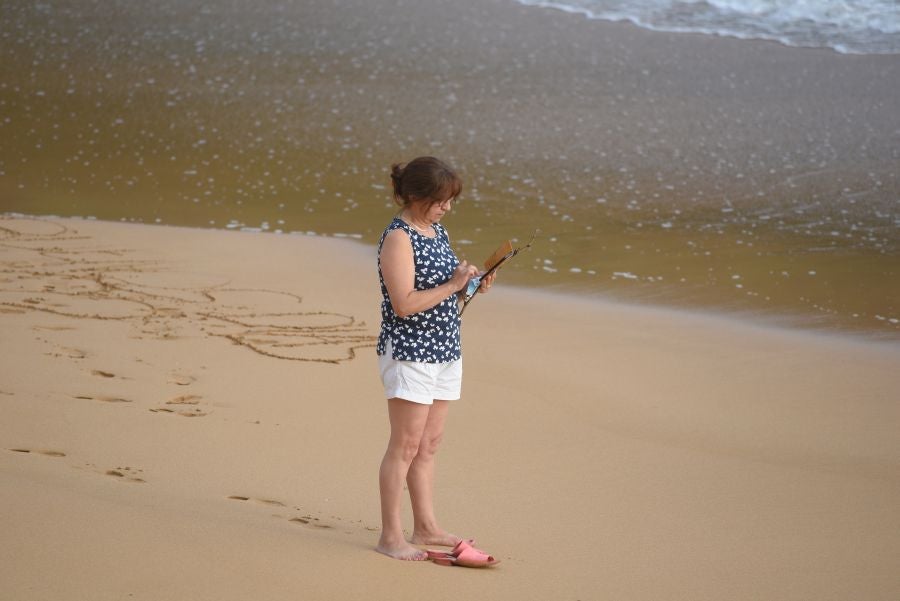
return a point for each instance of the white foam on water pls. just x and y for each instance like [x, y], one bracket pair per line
[846, 26]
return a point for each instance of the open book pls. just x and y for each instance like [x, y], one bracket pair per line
[504, 253]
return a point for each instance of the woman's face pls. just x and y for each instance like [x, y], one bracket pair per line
[436, 210]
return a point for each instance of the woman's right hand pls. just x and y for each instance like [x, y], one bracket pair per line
[462, 274]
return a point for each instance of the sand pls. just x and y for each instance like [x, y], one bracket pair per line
[196, 414]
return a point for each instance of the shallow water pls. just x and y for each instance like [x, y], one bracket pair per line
[684, 171]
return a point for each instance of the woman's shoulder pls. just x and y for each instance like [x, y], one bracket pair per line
[396, 224]
[396, 233]
[393, 226]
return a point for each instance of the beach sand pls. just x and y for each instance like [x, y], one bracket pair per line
[196, 414]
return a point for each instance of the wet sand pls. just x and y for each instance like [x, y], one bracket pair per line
[682, 170]
[196, 414]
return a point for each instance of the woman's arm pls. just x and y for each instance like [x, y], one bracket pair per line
[398, 271]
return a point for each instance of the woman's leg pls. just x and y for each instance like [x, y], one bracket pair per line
[420, 480]
[408, 422]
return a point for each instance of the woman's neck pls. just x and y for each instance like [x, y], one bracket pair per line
[420, 223]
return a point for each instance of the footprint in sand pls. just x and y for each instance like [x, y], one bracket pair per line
[192, 413]
[186, 413]
[52, 328]
[187, 399]
[49, 453]
[181, 379]
[103, 398]
[308, 520]
[74, 353]
[126, 474]
[305, 520]
[63, 351]
[160, 329]
[270, 502]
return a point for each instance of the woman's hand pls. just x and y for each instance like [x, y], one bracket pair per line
[487, 282]
[462, 274]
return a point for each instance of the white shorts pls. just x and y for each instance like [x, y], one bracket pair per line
[420, 382]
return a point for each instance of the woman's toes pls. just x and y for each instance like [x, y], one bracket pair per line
[405, 553]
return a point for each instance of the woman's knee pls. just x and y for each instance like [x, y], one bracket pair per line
[406, 448]
[428, 446]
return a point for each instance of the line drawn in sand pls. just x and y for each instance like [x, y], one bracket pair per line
[49, 267]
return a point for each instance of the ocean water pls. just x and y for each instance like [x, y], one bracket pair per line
[752, 179]
[847, 26]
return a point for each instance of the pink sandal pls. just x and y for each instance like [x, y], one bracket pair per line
[463, 554]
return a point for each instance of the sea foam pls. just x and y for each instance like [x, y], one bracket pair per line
[846, 26]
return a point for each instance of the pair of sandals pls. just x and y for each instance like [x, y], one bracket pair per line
[463, 554]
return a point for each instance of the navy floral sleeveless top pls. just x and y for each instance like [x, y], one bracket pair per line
[431, 336]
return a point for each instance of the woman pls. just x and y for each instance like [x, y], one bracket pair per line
[418, 347]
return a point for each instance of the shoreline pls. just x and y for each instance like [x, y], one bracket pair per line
[797, 324]
[587, 13]
[682, 159]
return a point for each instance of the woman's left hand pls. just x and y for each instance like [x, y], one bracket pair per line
[487, 282]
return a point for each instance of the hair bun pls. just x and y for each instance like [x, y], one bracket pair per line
[397, 178]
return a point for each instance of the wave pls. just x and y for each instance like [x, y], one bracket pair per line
[846, 26]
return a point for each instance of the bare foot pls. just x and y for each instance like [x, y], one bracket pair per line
[403, 551]
[444, 539]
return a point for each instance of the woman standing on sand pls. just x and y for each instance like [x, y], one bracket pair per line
[418, 347]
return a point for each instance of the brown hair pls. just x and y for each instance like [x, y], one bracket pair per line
[424, 178]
